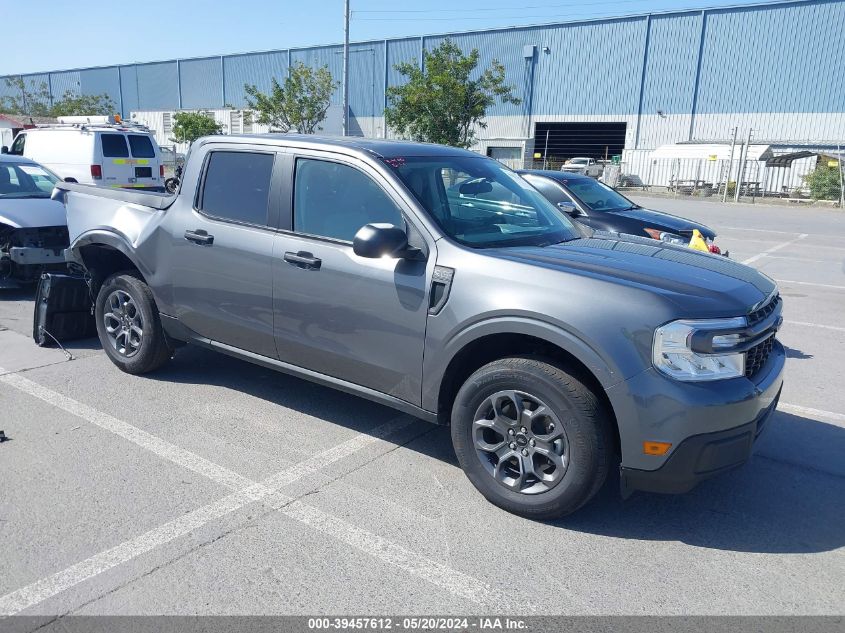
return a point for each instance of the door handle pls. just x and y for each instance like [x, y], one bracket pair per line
[304, 260]
[199, 236]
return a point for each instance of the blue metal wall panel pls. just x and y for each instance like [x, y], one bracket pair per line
[399, 52]
[366, 79]
[101, 81]
[777, 58]
[669, 76]
[202, 83]
[35, 82]
[782, 58]
[507, 48]
[129, 89]
[331, 56]
[62, 83]
[158, 86]
[591, 68]
[254, 69]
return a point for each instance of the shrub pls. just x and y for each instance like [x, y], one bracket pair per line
[824, 183]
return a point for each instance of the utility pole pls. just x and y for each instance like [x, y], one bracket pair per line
[346, 67]
[743, 156]
[730, 166]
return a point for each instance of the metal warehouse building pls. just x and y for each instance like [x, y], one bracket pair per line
[608, 86]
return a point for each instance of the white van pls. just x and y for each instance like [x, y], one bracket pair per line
[95, 150]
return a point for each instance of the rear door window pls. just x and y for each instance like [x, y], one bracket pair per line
[18, 145]
[141, 146]
[236, 186]
[114, 146]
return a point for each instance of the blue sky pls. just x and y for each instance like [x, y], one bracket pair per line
[75, 34]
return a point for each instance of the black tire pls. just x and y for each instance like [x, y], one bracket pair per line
[587, 436]
[152, 350]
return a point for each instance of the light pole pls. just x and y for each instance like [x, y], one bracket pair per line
[346, 67]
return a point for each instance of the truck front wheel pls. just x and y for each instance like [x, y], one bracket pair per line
[532, 438]
[129, 325]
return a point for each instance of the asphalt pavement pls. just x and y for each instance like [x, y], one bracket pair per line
[218, 487]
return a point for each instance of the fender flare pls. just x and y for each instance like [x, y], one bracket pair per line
[105, 237]
[603, 368]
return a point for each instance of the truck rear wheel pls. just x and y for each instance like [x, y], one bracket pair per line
[129, 325]
[533, 439]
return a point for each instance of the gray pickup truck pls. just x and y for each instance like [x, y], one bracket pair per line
[438, 282]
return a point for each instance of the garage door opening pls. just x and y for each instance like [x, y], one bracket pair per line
[558, 142]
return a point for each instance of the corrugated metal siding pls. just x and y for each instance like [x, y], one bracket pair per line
[63, 83]
[399, 52]
[366, 93]
[505, 47]
[591, 68]
[772, 67]
[670, 77]
[99, 81]
[331, 56]
[129, 89]
[254, 69]
[36, 81]
[202, 82]
[158, 86]
[783, 58]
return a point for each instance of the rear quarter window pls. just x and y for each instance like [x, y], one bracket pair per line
[114, 146]
[141, 146]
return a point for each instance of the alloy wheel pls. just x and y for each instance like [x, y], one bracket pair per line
[520, 442]
[123, 322]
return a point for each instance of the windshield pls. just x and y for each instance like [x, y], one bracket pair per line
[22, 180]
[597, 196]
[478, 202]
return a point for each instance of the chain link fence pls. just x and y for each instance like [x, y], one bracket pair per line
[819, 177]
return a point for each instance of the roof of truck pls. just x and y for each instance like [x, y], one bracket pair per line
[380, 147]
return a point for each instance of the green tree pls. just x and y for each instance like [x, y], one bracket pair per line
[441, 103]
[35, 100]
[299, 104]
[32, 99]
[824, 182]
[189, 126]
[81, 105]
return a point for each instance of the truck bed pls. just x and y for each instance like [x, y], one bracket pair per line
[129, 213]
[159, 201]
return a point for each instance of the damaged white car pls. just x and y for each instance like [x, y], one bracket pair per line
[33, 228]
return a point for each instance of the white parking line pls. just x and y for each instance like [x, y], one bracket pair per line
[168, 451]
[818, 325]
[809, 283]
[794, 408]
[742, 228]
[268, 491]
[773, 249]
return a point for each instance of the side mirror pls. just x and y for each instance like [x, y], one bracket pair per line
[570, 208]
[380, 240]
[4, 149]
[70, 179]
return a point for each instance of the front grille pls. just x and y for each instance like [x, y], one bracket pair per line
[757, 356]
[761, 313]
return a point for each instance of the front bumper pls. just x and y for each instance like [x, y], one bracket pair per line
[698, 458]
[30, 255]
[711, 426]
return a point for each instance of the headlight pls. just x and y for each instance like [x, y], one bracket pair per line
[673, 355]
[663, 236]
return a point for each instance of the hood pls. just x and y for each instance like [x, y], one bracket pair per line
[22, 213]
[700, 284]
[664, 221]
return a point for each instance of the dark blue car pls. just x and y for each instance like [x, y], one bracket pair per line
[603, 208]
